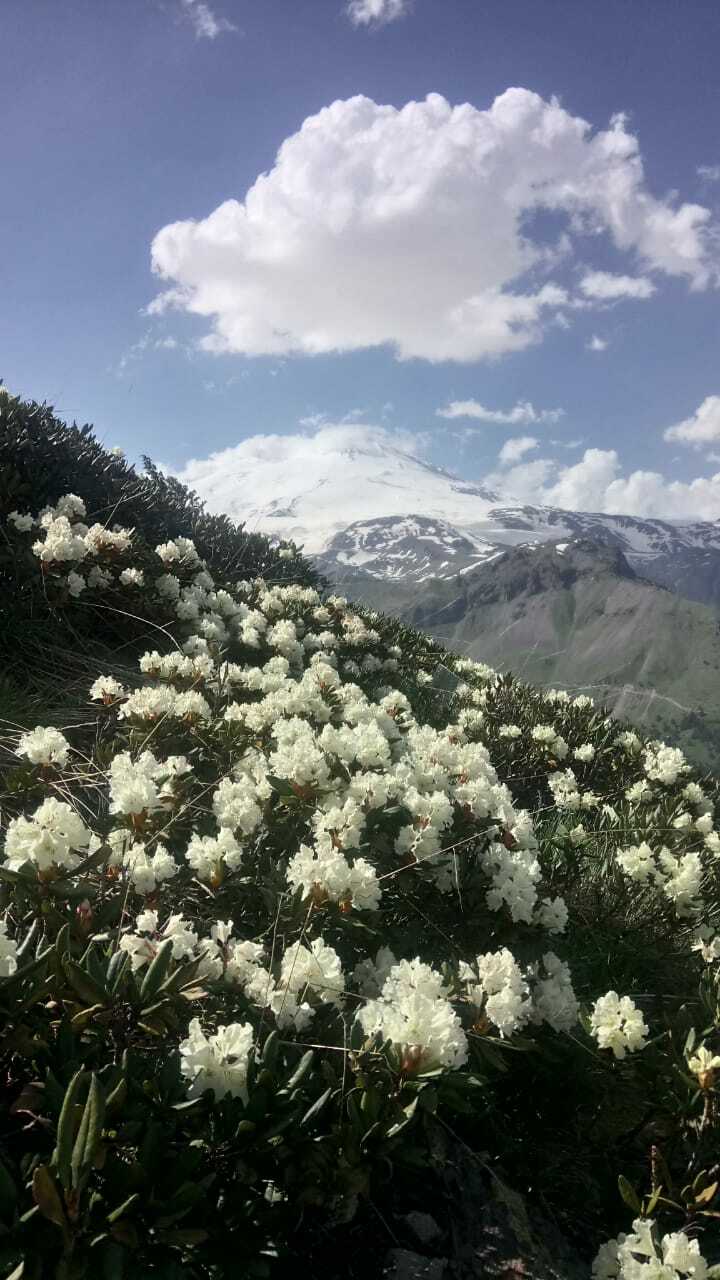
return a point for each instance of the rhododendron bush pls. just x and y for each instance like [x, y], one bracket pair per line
[297, 891]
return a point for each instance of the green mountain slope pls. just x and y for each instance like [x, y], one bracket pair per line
[575, 616]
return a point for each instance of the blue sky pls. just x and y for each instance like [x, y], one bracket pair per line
[381, 235]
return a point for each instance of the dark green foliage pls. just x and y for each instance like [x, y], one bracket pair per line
[41, 458]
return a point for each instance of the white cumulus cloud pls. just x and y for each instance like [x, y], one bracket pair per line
[513, 450]
[606, 287]
[522, 414]
[205, 23]
[412, 227]
[363, 13]
[597, 344]
[702, 428]
[597, 483]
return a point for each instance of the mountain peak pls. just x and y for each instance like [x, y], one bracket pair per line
[409, 548]
[308, 489]
[342, 492]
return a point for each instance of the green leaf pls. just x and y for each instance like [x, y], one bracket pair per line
[81, 982]
[314, 1111]
[371, 1103]
[47, 1196]
[14, 877]
[117, 969]
[187, 1236]
[281, 785]
[89, 1133]
[402, 1124]
[123, 1208]
[62, 1154]
[301, 1069]
[62, 942]
[629, 1195]
[652, 1202]
[81, 1019]
[157, 972]
[183, 975]
[117, 1097]
[271, 1049]
[93, 860]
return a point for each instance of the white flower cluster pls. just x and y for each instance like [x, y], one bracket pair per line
[146, 867]
[181, 550]
[617, 1024]
[53, 838]
[106, 689]
[567, 794]
[500, 990]
[218, 1061]
[137, 786]
[22, 522]
[309, 976]
[679, 877]
[510, 998]
[327, 874]
[210, 856]
[297, 694]
[549, 740]
[554, 1000]
[664, 764]
[306, 977]
[644, 1255]
[65, 538]
[44, 746]
[143, 946]
[414, 1013]
[150, 704]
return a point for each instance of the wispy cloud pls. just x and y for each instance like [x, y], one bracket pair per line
[596, 344]
[513, 450]
[148, 342]
[206, 24]
[603, 286]
[365, 13]
[709, 172]
[522, 414]
[702, 428]
[312, 421]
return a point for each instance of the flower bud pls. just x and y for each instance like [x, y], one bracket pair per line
[84, 915]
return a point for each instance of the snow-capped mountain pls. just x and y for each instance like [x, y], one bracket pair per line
[315, 498]
[407, 548]
[370, 508]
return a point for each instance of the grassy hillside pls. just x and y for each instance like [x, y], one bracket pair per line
[309, 926]
[46, 660]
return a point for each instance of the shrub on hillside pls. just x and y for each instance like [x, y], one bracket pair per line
[41, 460]
[310, 893]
